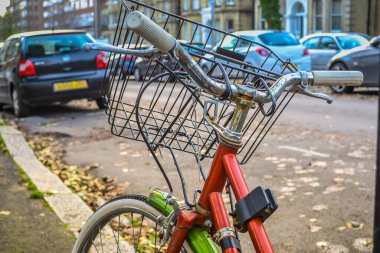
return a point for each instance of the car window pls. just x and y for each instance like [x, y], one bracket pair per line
[327, 42]
[3, 51]
[312, 43]
[13, 49]
[47, 45]
[351, 41]
[278, 39]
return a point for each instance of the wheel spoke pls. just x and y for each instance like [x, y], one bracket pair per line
[129, 229]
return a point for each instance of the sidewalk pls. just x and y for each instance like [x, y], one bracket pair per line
[26, 224]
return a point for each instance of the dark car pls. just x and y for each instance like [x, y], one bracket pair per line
[142, 65]
[145, 68]
[49, 66]
[365, 58]
[127, 62]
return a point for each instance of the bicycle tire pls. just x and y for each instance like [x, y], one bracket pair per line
[127, 204]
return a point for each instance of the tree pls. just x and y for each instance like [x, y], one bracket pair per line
[8, 25]
[271, 13]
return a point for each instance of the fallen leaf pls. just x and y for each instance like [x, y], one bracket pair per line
[6, 213]
[355, 225]
[319, 207]
[322, 245]
[314, 229]
[333, 188]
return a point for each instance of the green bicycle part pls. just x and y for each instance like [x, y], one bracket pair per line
[198, 238]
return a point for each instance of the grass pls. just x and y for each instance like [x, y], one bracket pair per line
[3, 147]
[35, 193]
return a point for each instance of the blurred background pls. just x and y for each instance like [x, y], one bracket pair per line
[99, 17]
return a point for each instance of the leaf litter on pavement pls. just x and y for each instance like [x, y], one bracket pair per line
[94, 191]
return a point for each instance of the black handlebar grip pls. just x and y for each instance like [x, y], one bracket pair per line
[150, 31]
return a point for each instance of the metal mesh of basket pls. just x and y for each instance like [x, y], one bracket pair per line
[167, 109]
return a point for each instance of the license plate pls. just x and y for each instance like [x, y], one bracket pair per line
[72, 85]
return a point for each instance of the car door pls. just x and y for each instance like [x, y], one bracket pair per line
[328, 48]
[3, 82]
[313, 47]
[10, 66]
[368, 62]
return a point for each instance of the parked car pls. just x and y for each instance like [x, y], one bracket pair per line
[43, 67]
[144, 67]
[365, 58]
[285, 45]
[141, 66]
[127, 62]
[323, 46]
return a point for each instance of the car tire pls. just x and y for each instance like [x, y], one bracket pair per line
[20, 109]
[338, 88]
[100, 103]
[137, 74]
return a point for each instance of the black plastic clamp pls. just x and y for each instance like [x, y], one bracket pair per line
[259, 203]
[230, 242]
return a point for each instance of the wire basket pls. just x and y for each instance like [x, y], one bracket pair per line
[167, 109]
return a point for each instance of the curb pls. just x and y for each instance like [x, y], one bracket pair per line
[69, 207]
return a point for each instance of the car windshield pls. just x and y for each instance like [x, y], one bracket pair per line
[231, 43]
[350, 41]
[278, 39]
[47, 45]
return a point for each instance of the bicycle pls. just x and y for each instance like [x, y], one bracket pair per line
[184, 116]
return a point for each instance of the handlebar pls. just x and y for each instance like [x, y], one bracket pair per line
[166, 43]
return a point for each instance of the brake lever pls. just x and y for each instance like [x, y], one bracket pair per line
[302, 89]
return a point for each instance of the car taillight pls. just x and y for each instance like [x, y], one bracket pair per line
[101, 60]
[26, 68]
[305, 52]
[262, 51]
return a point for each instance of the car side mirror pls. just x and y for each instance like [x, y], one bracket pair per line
[375, 42]
[333, 46]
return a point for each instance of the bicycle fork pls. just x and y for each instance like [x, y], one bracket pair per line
[210, 205]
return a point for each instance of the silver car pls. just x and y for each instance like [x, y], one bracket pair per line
[323, 46]
[365, 58]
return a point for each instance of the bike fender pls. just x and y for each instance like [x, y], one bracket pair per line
[198, 238]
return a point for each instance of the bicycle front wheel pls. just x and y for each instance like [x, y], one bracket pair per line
[125, 224]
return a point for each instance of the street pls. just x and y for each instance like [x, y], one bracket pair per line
[319, 160]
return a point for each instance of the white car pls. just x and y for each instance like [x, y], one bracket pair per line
[323, 46]
[285, 45]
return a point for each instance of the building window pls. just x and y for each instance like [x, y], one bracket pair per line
[317, 15]
[262, 21]
[196, 33]
[230, 26]
[185, 5]
[217, 34]
[196, 5]
[186, 31]
[230, 2]
[336, 15]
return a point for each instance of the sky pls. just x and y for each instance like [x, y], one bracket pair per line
[3, 4]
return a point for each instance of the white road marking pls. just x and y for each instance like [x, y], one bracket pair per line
[305, 151]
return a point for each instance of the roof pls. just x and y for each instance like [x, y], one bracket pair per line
[253, 32]
[327, 34]
[44, 32]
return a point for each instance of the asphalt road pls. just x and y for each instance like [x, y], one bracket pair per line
[319, 160]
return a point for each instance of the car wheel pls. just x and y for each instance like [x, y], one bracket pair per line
[100, 103]
[19, 108]
[339, 88]
[137, 74]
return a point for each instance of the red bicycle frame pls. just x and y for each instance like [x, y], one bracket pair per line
[224, 167]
